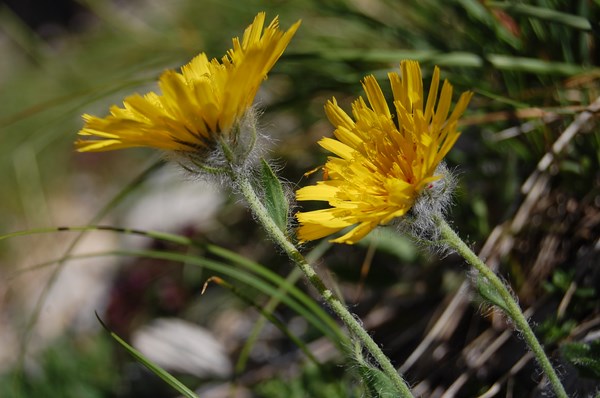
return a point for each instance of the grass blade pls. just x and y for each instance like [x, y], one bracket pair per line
[544, 14]
[151, 366]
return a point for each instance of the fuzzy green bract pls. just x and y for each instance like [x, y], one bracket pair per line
[275, 200]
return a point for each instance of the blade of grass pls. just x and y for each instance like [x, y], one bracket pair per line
[457, 59]
[534, 65]
[324, 318]
[151, 366]
[61, 262]
[478, 11]
[260, 324]
[544, 14]
[222, 268]
[294, 291]
[268, 315]
[273, 302]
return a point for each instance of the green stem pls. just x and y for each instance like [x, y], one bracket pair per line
[512, 308]
[247, 190]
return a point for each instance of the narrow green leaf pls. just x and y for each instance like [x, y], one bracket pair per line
[132, 186]
[489, 293]
[151, 366]
[463, 59]
[479, 11]
[390, 241]
[267, 315]
[584, 356]
[534, 65]
[278, 281]
[311, 311]
[544, 14]
[378, 384]
[316, 253]
[268, 308]
[275, 200]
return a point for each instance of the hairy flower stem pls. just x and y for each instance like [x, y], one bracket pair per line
[247, 190]
[513, 311]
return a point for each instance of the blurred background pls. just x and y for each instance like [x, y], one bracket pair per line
[528, 201]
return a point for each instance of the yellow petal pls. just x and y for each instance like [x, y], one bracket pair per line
[337, 116]
[375, 97]
[205, 100]
[321, 191]
[309, 231]
[355, 234]
[338, 148]
[377, 168]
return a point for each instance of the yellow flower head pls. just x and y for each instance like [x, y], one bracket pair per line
[206, 99]
[380, 166]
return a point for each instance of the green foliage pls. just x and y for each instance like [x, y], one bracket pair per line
[269, 316]
[390, 241]
[517, 57]
[544, 14]
[583, 300]
[151, 366]
[73, 367]
[561, 282]
[554, 330]
[312, 381]
[274, 196]
[489, 293]
[584, 356]
[377, 383]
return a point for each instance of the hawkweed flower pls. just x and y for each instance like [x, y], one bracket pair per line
[381, 166]
[204, 103]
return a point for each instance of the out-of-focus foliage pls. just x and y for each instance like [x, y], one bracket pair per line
[74, 367]
[534, 68]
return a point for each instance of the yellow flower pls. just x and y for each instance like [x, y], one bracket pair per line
[380, 166]
[206, 99]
